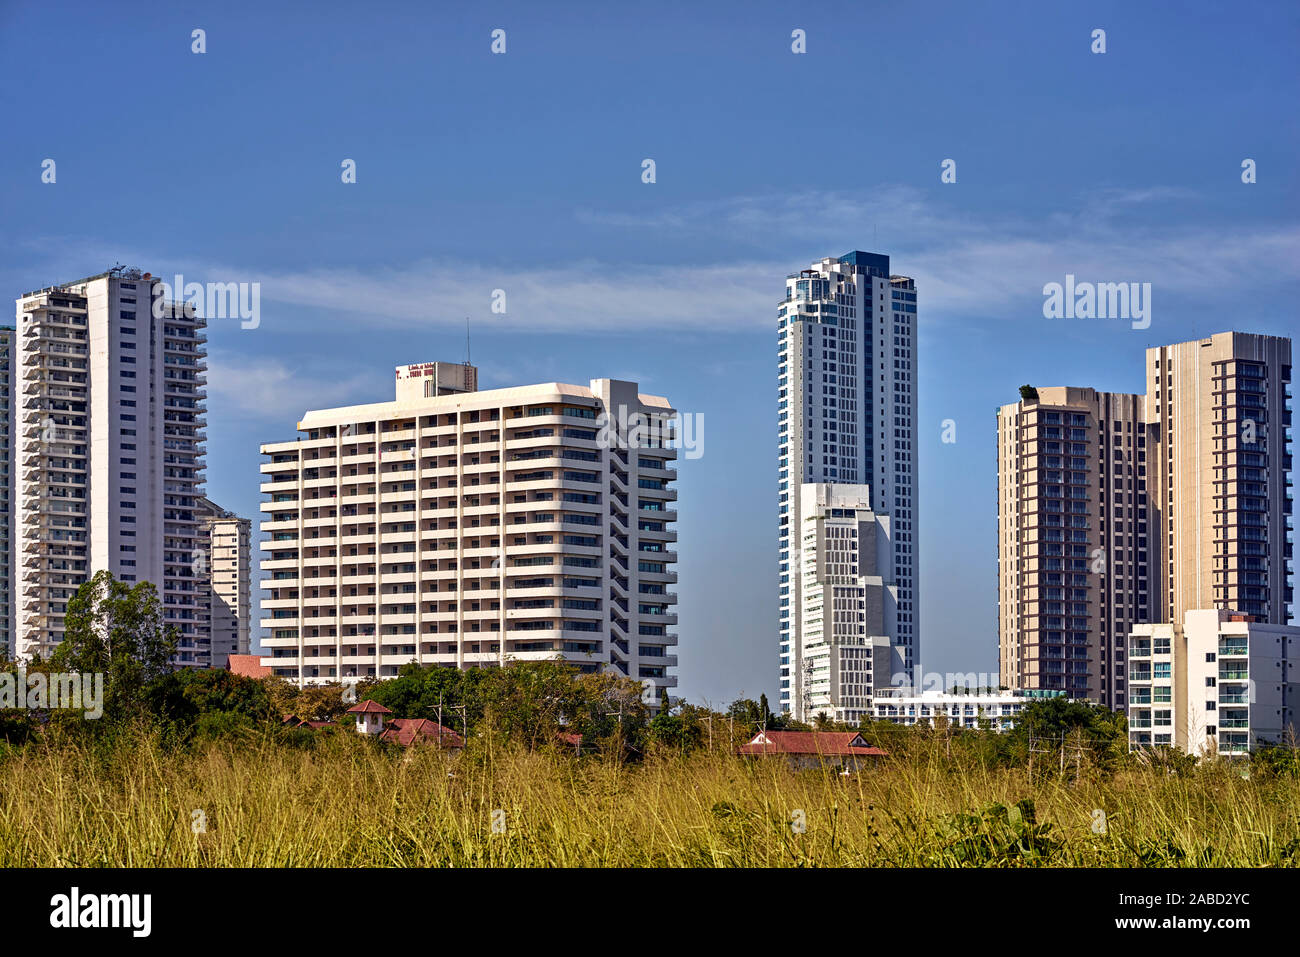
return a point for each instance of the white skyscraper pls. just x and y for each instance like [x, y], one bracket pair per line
[109, 408]
[846, 393]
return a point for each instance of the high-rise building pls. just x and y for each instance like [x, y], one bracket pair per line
[1221, 475]
[1215, 682]
[109, 447]
[462, 528]
[226, 538]
[1120, 510]
[7, 357]
[846, 583]
[1073, 540]
[846, 401]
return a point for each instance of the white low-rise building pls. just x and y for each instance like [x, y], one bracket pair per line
[999, 708]
[1219, 682]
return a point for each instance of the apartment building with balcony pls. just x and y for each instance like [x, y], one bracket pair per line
[1074, 540]
[227, 542]
[465, 528]
[846, 583]
[7, 490]
[846, 414]
[1219, 682]
[108, 443]
[1221, 477]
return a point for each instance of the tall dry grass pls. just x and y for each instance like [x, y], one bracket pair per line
[347, 803]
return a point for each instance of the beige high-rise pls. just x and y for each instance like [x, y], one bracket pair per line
[1221, 487]
[1116, 510]
[1072, 540]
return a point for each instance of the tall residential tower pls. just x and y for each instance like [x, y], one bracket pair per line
[1221, 475]
[846, 400]
[108, 438]
[1073, 540]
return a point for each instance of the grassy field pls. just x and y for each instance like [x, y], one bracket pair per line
[346, 803]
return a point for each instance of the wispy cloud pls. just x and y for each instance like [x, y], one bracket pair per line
[965, 266]
[261, 389]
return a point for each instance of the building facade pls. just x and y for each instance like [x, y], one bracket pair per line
[466, 528]
[846, 414]
[1116, 510]
[227, 542]
[7, 491]
[1073, 540]
[1221, 479]
[109, 442]
[846, 583]
[997, 710]
[1219, 683]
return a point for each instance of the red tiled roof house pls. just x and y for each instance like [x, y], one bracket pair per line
[250, 666]
[813, 749]
[370, 716]
[409, 731]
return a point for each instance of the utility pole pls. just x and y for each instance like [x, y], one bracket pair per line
[1035, 747]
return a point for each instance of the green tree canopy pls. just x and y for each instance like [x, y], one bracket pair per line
[118, 631]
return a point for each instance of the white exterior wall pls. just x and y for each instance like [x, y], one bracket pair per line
[227, 540]
[451, 530]
[111, 461]
[8, 488]
[961, 710]
[1233, 684]
[847, 596]
[846, 415]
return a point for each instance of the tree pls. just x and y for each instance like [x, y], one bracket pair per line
[207, 701]
[1102, 731]
[118, 631]
[1028, 393]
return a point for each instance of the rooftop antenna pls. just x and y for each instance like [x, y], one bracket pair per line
[467, 353]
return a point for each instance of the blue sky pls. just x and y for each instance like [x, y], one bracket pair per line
[522, 171]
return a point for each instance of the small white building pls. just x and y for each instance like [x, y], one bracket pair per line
[1219, 682]
[370, 716]
[999, 708]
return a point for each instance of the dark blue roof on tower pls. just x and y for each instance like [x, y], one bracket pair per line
[873, 263]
